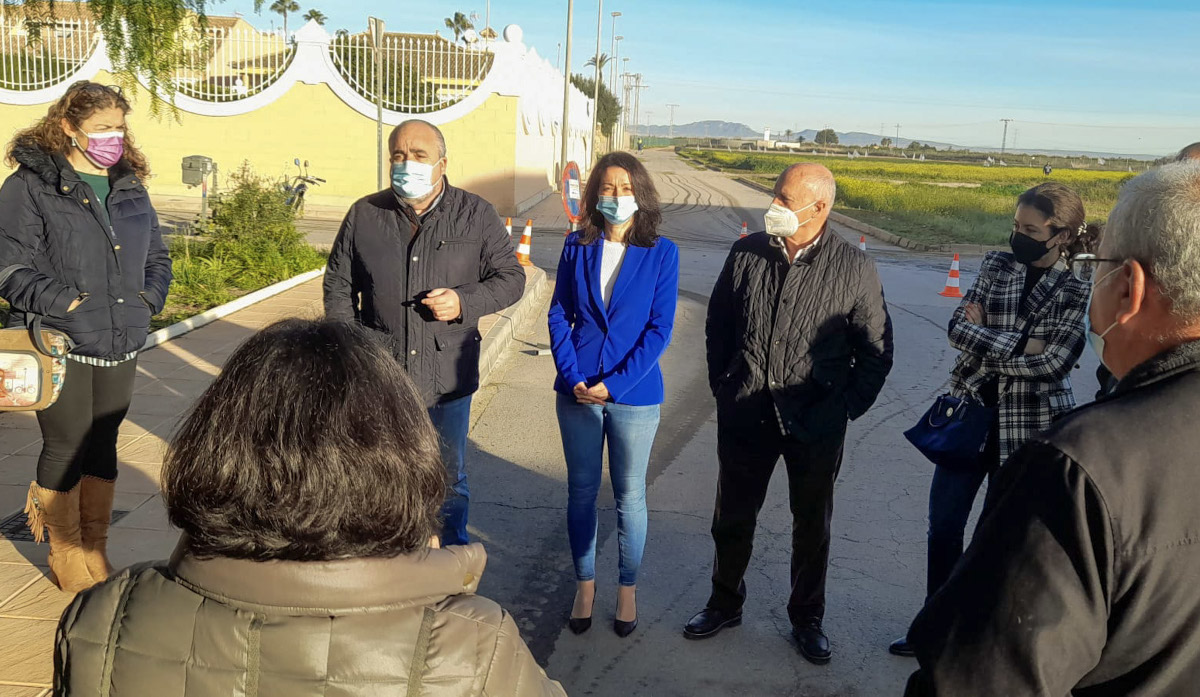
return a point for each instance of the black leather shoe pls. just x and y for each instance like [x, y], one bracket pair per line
[901, 647]
[813, 643]
[624, 629]
[579, 625]
[708, 622]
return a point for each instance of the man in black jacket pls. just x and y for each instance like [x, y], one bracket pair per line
[1081, 578]
[420, 264]
[799, 341]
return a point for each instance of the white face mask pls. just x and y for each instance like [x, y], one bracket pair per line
[412, 180]
[782, 222]
[1096, 341]
[617, 209]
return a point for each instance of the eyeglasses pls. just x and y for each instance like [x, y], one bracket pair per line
[1083, 266]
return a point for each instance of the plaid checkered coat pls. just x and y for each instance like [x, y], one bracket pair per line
[1034, 390]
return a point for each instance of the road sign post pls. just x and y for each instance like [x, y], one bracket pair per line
[572, 194]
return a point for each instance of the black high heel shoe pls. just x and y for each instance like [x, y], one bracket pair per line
[579, 625]
[624, 629]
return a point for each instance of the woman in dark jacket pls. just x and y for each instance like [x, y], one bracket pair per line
[1020, 330]
[307, 483]
[80, 248]
[610, 321]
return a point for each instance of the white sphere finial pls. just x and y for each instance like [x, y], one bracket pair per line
[513, 34]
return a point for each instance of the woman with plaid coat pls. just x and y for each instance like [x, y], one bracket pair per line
[1021, 329]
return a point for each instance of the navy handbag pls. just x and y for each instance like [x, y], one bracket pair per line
[953, 432]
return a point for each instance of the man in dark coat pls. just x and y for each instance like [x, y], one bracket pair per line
[420, 263]
[1081, 578]
[799, 341]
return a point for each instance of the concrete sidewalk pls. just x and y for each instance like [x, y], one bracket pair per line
[170, 377]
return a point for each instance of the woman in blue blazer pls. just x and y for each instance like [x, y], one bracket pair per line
[610, 321]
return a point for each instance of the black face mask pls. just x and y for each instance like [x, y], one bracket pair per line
[1026, 249]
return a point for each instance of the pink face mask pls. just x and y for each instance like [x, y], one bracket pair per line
[105, 149]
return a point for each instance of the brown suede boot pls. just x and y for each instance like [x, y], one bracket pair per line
[95, 514]
[59, 511]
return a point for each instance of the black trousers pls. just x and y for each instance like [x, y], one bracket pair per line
[79, 431]
[747, 460]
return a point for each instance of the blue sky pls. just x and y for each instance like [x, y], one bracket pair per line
[1099, 75]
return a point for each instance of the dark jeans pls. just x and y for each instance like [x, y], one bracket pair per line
[452, 420]
[79, 431]
[951, 496]
[747, 460]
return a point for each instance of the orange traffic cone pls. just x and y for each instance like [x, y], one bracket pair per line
[744, 233]
[525, 247]
[508, 226]
[862, 242]
[952, 287]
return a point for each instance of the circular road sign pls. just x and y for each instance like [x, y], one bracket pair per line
[572, 192]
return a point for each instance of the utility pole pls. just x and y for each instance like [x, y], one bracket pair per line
[558, 57]
[566, 121]
[1004, 142]
[596, 87]
[881, 131]
[649, 114]
[671, 131]
[637, 104]
[897, 143]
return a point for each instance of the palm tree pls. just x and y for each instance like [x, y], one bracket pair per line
[283, 7]
[315, 15]
[604, 60]
[459, 24]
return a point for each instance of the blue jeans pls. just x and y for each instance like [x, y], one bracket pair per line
[451, 420]
[629, 431]
[951, 496]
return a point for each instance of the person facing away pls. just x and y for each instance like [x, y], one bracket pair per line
[1081, 577]
[419, 264]
[309, 561]
[1019, 331]
[81, 250]
[610, 320]
[799, 342]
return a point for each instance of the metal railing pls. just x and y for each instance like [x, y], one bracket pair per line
[229, 64]
[46, 55]
[421, 74]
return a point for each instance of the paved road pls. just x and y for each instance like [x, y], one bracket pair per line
[877, 568]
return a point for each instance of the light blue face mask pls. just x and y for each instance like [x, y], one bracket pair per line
[617, 209]
[412, 180]
[1096, 341]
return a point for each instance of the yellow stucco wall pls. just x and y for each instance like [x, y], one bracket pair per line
[311, 123]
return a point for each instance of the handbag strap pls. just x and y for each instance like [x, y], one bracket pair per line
[35, 334]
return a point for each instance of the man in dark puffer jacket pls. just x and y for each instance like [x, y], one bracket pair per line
[799, 341]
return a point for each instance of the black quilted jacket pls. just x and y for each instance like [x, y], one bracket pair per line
[812, 340]
[55, 245]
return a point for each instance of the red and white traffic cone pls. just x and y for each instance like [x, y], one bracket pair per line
[952, 282]
[525, 248]
[508, 226]
[862, 242]
[744, 233]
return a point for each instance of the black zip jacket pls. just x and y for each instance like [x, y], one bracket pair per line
[56, 245]
[381, 268]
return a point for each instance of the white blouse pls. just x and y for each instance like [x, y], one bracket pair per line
[611, 258]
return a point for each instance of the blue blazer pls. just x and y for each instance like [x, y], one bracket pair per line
[619, 345]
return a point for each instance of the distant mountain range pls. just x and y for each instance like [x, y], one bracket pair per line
[855, 139]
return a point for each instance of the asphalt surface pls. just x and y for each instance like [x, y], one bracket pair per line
[876, 577]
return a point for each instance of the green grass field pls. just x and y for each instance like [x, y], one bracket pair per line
[935, 203]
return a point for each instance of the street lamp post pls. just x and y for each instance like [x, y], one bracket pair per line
[566, 120]
[596, 87]
[613, 56]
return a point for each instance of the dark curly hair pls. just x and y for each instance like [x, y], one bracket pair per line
[311, 445]
[81, 101]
